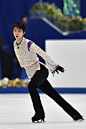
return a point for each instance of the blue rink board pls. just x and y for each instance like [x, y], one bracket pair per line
[59, 90]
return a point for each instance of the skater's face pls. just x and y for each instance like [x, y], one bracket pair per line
[18, 33]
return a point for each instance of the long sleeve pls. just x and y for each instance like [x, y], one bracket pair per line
[49, 62]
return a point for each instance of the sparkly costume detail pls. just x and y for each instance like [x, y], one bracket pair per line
[49, 62]
[27, 56]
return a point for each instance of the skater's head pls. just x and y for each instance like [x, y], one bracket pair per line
[19, 30]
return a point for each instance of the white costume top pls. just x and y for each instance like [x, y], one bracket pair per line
[27, 56]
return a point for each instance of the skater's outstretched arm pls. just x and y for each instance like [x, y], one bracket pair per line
[53, 67]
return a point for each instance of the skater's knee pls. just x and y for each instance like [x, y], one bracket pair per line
[31, 87]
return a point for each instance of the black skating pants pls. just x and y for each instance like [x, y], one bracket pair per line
[40, 80]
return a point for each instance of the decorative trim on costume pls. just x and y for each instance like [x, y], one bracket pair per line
[18, 44]
[29, 44]
[55, 69]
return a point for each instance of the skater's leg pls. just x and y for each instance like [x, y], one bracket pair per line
[51, 92]
[37, 80]
[35, 96]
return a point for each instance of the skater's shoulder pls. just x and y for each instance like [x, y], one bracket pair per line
[26, 40]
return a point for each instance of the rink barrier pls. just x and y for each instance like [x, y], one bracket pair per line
[59, 90]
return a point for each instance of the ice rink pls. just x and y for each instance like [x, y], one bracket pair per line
[16, 111]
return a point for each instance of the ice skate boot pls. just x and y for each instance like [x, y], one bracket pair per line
[38, 118]
[78, 118]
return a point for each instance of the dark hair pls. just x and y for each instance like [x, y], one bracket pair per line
[20, 25]
[24, 16]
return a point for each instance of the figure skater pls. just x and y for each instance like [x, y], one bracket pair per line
[26, 52]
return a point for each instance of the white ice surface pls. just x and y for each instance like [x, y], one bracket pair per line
[16, 111]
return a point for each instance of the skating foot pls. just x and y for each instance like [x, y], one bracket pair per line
[79, 119]
[38, 121]
[38, 118]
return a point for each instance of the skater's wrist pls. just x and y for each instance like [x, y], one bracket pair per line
[55, 69]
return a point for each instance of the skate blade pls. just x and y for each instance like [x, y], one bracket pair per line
[38, 121]
[80, 120]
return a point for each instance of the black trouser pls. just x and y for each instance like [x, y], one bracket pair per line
[40, 80]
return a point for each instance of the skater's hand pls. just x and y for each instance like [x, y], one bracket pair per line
[61, 69]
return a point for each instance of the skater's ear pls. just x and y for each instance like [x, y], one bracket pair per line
[24, 33]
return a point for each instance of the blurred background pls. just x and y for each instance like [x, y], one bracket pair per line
[58, 27]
